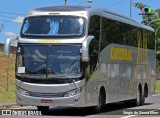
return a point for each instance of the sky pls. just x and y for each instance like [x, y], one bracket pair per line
[12, 12]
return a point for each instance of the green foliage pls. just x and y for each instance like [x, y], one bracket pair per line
[157, 87]
[157, 65]
[88, 74]
[8, 96]
[158, 12]
[146, 19]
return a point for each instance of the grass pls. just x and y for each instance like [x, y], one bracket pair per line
[157, 87]
[7, 84]
[7, 96]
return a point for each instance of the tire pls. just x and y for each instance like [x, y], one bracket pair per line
[101, 103]
[143, 100]
[43, 109]
[139, 98]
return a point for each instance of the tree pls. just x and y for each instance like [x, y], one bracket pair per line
[146, 19]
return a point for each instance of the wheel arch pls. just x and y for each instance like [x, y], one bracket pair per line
[102, 89]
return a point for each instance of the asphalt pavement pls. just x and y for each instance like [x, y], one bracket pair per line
[150, 109]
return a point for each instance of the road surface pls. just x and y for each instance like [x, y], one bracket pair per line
[115, 110]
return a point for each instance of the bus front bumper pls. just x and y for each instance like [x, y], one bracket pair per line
[73, 101]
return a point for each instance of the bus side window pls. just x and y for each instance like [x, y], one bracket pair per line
[94, 29]
[93, 59]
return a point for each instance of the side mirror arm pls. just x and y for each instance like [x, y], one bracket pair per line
[8, 44]
[85, 48]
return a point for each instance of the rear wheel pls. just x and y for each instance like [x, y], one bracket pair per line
[139, 97]
[143, 100]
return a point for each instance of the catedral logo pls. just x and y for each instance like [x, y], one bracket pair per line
[121, 54]
[146, 11]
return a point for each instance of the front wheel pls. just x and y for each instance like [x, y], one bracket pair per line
[101, 103]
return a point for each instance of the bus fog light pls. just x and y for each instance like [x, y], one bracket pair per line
[76, 100]
[72, 92]
[22, 91]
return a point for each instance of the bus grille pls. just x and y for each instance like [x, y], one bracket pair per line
[46, 95]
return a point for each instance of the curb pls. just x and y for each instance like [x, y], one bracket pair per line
[7, 104]
[156, 95]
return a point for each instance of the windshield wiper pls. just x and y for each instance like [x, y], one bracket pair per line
[73, 81]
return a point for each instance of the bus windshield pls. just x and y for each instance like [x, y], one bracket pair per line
[53, 26]
[45, 62]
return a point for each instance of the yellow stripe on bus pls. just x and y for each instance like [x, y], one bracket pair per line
[142, 56]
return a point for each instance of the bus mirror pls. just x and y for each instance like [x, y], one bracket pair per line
[85, 50]
[8, 44]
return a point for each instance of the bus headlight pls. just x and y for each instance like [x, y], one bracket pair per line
[22, 91]
[72, 92]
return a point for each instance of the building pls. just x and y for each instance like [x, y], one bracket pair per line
[12, 49]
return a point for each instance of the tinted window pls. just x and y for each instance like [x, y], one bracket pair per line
[124, 34]
[117, 33]
[51, 60]
[151, 40]
[94, 29]
[53, 26]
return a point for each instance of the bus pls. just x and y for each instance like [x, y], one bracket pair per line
[79, 56]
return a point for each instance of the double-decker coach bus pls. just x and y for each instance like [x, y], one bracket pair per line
[77, 56]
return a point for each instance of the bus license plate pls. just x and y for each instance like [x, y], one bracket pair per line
[46, 101]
